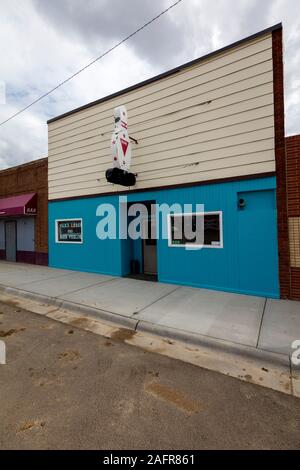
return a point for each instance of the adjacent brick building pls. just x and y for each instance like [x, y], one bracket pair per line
[293, 198]
[24, 213]
[280, 158]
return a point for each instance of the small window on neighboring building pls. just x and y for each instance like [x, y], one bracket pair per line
[183, 230]
[69, 231]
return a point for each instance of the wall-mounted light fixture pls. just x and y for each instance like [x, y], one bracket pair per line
[241, 203]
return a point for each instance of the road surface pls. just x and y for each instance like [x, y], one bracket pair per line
[66, 388]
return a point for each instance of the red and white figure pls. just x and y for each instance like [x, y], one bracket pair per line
[120, 142]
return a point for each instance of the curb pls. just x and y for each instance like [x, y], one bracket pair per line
[221, 346]
[93, 313]
[45, 299]
[98, 314]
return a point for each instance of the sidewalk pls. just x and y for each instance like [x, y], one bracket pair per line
[237, 323]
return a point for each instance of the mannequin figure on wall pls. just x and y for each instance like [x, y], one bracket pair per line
[121, 151]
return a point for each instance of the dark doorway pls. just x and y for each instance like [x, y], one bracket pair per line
[149, 246]
[144, 250]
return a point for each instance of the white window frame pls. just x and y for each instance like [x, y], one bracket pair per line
[194, 245]
[68, 220]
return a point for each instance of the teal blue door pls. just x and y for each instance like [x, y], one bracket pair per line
[257, 238]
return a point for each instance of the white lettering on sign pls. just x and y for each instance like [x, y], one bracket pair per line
[69, 231]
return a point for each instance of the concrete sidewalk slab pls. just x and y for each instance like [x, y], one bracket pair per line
[72, 281]
[280, 326]
[183, 313]
[12, 274]
[231, 317]
[121, 296]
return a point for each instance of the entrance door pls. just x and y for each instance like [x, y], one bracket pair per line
[258, 252]
[11, 240]
[149, 246]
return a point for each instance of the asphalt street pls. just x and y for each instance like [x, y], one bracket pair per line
[66, 388]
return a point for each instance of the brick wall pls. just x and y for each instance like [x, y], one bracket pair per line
[280, 156]
[28, 178]
[293, 187]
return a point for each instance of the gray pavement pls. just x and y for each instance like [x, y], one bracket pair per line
[122, 296]
[230, 317]
[280, 325]
[65, 388]
[266, 324]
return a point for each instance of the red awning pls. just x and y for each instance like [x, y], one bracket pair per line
[25, 204]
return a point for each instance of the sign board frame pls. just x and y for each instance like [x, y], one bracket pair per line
[68, 221]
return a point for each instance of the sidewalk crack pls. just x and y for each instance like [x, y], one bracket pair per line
[261, 322]
[157, 300]
[100, 283]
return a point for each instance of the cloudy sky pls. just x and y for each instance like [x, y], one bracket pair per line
[42, 42]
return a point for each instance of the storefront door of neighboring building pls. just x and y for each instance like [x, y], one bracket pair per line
[11, 240]
[258, 256]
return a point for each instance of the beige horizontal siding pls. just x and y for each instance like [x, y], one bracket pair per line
[195, 135]
[216, 119]
[226, 125]
[103, 138]
[262, 91]
[175, 180]
[184, 156]
[212, 120]
[224, 110]
[200, 170]
[242, 51]
[226, 145]
[162, 167]
[259, 64]
[262, 72]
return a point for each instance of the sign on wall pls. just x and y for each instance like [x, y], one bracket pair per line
[69, 231]
[121, 150]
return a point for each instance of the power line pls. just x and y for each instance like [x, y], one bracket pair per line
[91, 63]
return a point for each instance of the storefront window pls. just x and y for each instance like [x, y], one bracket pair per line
[183, 230]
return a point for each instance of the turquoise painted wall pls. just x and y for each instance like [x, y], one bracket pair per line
[248, 263]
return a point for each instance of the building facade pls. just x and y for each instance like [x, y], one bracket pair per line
[24, 213]
[208, 133]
